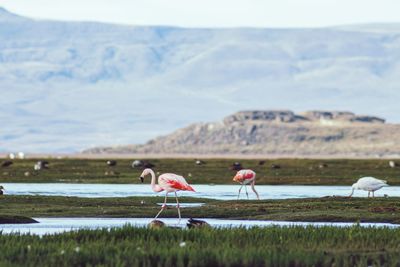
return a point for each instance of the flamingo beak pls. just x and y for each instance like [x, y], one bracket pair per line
[142, 179]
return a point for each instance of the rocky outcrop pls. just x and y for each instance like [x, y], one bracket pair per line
[279, 132]
[15, 219]
[290, 116]
[263, 115]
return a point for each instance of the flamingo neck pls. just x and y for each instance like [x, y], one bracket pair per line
[155, 187]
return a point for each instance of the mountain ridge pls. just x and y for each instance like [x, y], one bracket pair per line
[70, 85]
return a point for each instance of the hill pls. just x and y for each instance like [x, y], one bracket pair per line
[278, 133]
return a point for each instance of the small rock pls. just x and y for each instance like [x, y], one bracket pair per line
[156, 224]
[6, 163]
[193, 223]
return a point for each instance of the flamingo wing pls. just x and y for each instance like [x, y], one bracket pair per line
[247, 174]
[174, 181]
[244, 176]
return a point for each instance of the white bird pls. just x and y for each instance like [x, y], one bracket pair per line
[369, 184]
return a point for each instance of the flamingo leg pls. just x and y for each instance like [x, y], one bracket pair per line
[368, 193]
[247, 194]
[254, 190]
[163, 206]
[179, 210]
[373, 193]
[240, 189]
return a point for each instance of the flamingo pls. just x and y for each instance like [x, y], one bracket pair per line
[369, 184]
[245, 177]
[169, 183]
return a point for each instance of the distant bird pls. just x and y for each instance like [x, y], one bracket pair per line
[11, 156]
[261, 162]
[275, 166]
[41, 164]
[21, 155]
[156, 224]
[6, 163]
[369, 184]
[245, 177]
[169, 183]
[1, 190]
[199, 162]
[237, 166]
[148, 165]
[142, 164]
[111, 163]
[323, 165]
[392, 164]
[193, 223]
[137, 164]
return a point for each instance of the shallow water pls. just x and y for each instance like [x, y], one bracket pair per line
[222, 192]
[59, 225]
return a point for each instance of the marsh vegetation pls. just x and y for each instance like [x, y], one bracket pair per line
[213, 171]
[272, 246]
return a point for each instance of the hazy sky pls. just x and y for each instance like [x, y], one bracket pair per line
[213, 13]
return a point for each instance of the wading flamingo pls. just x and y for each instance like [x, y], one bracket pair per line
[369, 184]
[245, 177]
[169, 183]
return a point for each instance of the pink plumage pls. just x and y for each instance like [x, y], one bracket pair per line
[172, 182]
[168, 182]
[245, 177]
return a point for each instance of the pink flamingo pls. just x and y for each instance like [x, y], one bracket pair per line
[167, 182]
[245, 177]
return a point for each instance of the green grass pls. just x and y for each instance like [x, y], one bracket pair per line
[331, 209]
[272, 246]
[215, 171]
